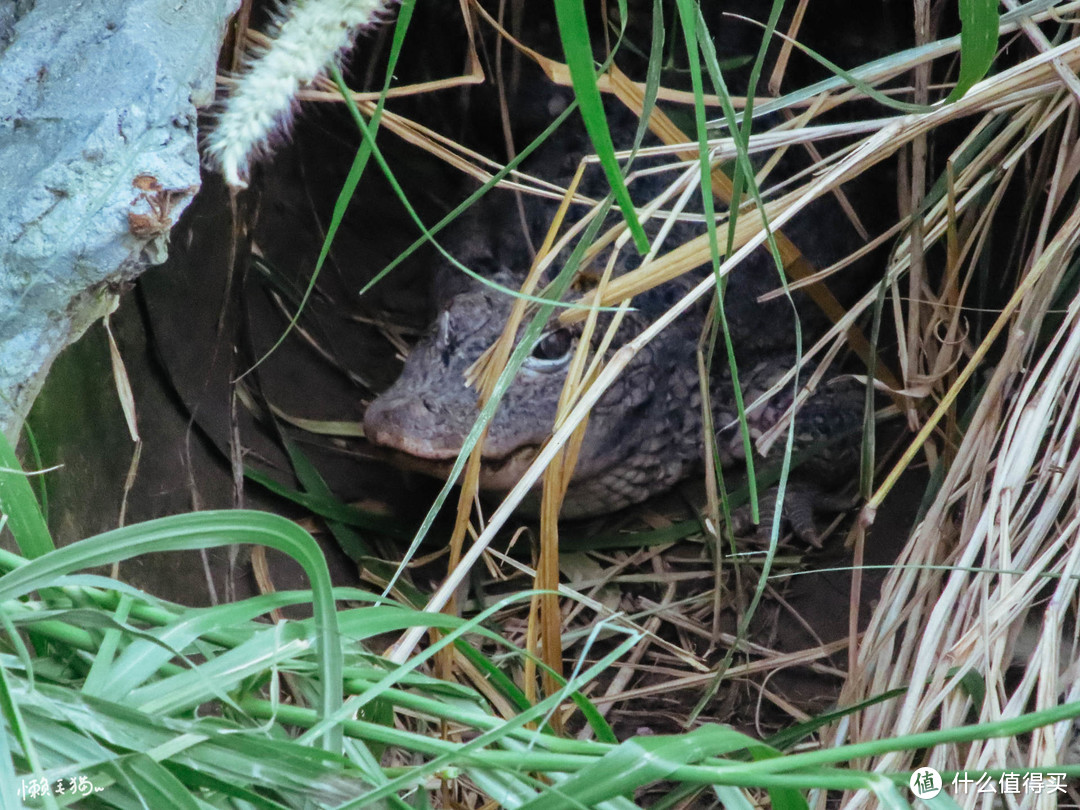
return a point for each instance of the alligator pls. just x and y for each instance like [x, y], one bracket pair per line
[645, 433]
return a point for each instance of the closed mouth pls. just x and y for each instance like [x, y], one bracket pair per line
[499, 474]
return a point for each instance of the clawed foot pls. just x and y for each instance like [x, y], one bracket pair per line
[801, 502]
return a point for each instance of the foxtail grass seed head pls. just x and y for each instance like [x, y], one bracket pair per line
[308, 35]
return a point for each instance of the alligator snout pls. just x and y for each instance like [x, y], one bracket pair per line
[411, 425]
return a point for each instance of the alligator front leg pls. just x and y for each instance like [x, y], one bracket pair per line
[803, 501]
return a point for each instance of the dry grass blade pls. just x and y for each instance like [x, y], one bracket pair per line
[586, 602]
[1026, 524]
[1001, 535]
[463, 159]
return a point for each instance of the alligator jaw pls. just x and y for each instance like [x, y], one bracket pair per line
[496, 474]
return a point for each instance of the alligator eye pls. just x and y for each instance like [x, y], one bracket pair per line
[552, 351]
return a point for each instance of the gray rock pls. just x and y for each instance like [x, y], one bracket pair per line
[98, 158]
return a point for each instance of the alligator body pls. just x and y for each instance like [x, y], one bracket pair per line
[645, 433]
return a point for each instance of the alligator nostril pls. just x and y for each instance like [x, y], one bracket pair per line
[389, 418]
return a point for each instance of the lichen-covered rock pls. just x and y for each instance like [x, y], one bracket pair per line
[98, 158]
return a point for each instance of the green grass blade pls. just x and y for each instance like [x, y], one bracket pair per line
[574, 33]
[637, 762]
[943, 801]
[329, 508]
[506, 686]
[153, 784]
[428, 234]
[909, 56]
[16, 727]
[213, 747]
[19, 506]
[214, 679]
[230, 625]
[535, 713]
[37, 464]
[205, 530]
[313, 483]
[97, 680]
[9, 782]
[888, 795]
[365, 131]
[978, 43]
[695, 29]
[733, 798]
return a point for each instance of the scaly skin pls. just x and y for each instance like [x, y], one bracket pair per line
[645, 433]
